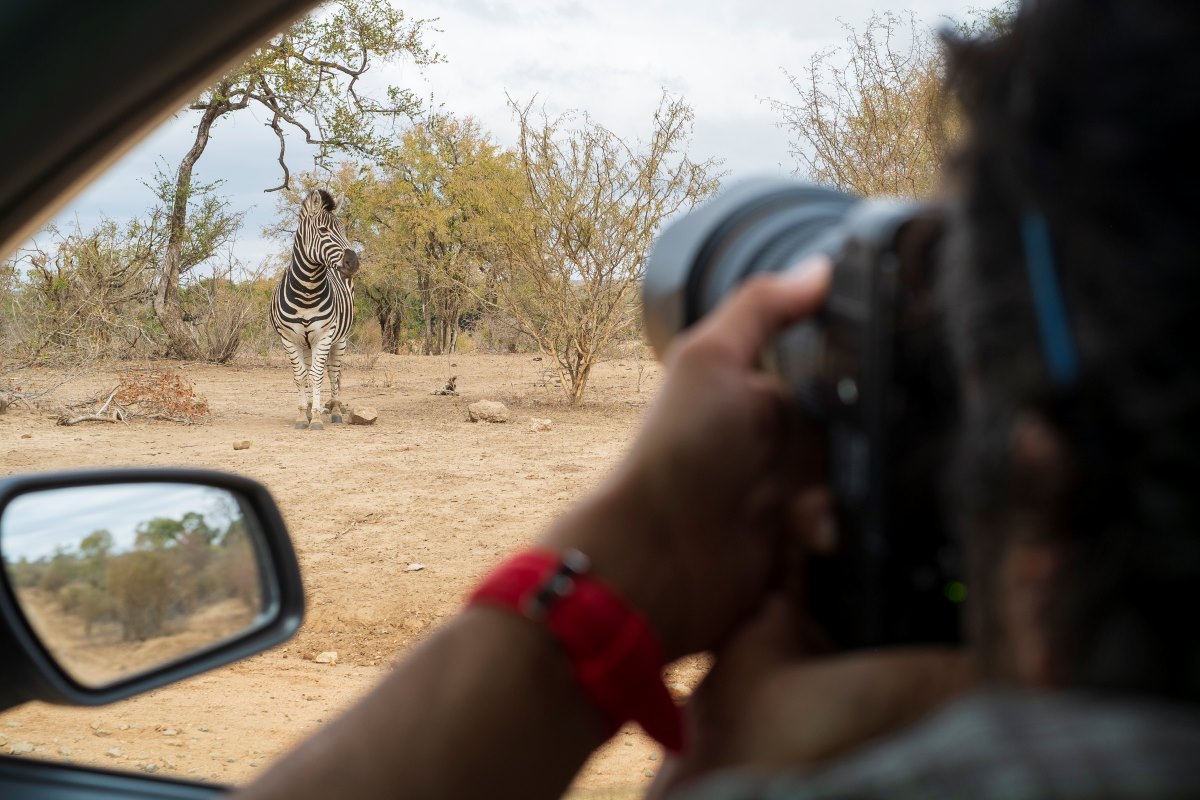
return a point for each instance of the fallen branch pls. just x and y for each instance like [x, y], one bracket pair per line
[87, 418]
[157, 396]
[102, 414]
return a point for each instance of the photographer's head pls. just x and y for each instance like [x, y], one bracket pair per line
[1080, 490]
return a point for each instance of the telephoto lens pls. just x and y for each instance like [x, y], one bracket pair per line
[871, 368]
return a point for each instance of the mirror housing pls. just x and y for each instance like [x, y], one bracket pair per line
[29, 671]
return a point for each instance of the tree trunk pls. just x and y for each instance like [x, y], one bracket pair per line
[181, 344]
[389, 331]
[423, 292]
[579, 381]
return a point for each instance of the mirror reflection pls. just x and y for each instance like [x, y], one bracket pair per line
[122, 578]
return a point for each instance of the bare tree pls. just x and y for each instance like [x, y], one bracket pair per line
[870, 117]
[874, 123]
[573, 251]
[307, 79]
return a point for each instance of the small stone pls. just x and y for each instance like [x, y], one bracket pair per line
[538, 425]
[116, 752]
[244, 444]
[124, 726]
[652, 757]
[21, 748]
[415, 567]
[170, 732]
[102, 732]
[327, 657]
[364, 415]
[231, 761]
[203, 729]
[26, 435]
[63, 750]
[487, 411]
[628, 743]
[151, 767]
[649, 773]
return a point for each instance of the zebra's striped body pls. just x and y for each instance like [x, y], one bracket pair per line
[312, 307]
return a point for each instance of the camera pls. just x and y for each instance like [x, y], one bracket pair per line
[872, 368]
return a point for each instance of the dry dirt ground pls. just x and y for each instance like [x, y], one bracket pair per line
[423, 485]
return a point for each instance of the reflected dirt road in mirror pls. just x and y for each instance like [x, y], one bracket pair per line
[119, 579]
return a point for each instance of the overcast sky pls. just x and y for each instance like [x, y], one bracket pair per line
[34, 525]
[611, 59]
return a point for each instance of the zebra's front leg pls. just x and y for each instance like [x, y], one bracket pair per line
[335, 380]
[316, 374]
[298, 354]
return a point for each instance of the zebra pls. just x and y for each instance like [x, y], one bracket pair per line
[312, 306]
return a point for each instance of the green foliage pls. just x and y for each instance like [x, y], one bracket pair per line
[432, 208]
[307, 78]
[211, 226]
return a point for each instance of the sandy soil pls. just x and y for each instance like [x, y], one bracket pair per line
[362, 503]
[103, 654]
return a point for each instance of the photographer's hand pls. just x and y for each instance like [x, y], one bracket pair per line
[688, 529]
[768, 704]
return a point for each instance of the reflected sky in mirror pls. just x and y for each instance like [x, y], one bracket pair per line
[36, 525]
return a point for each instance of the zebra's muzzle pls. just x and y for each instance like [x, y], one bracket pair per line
[349, 263]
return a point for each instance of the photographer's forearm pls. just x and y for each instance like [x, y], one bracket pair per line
[486, 707]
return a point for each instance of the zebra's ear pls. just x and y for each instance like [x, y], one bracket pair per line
[318, 200]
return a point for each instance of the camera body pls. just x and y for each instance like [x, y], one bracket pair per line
[872, 368]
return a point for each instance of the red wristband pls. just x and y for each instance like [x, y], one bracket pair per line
[614, 654]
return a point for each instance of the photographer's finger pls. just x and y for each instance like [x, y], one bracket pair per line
[766, 304]
[814, 521]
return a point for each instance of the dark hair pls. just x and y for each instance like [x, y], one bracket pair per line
[1087, 113]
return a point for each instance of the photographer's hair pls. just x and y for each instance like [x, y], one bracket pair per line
[1085, 117]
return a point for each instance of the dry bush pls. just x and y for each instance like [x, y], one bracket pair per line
[228, 312]
[83, 298]
[154, 395]
[160, 395]
[141, 591]
[497, 331]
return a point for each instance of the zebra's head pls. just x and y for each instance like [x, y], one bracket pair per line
[321, 237]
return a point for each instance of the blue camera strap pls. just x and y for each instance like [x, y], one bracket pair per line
[1058, 344]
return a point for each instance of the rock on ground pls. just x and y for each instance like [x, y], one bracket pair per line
[536, 424]
[364, 415]
[244, 444]
[487, 411]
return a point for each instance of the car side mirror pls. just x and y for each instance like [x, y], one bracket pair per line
[115, 582]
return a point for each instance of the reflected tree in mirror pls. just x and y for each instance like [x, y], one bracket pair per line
[119, 579]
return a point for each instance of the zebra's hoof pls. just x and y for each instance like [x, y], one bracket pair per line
[301, 426]
[317, 425]
[336, 418]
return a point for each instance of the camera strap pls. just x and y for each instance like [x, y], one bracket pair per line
[1058, 345]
